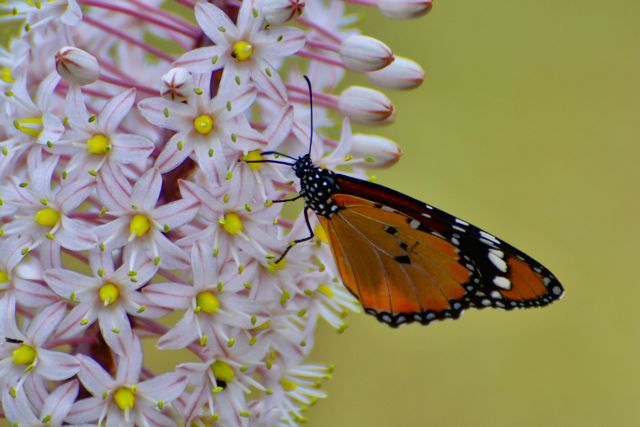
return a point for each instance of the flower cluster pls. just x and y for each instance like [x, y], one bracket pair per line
[126, 196]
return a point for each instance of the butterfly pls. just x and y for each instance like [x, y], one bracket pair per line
[407, 261]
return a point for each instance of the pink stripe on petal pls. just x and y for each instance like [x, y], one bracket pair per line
[116, 110]
[147, 190]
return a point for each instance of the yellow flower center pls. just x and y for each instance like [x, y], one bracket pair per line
[139, 225]
[203, 124]
[222, 371]
[232, 223]
[4, 276]
[253, 156]
[98, 144]
[109, 294]
[206, 301]
[5, 75]
[31, 126]
[326, 290]
[24, 355]
[242, 51]
[288, 385]
[273, 267]
[125, 398]
[47, 217]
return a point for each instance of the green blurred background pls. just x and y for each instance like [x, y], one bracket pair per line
[527, 125]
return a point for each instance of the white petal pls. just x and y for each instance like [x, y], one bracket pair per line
[55, 365]
[59, 402]
[129, 148]
[86, 410]
[203, 60]
[167, 114]
[172, 155]
[176, 213]
[129, 367]
[75, 235]
[181, 335]
[170, 295]
[114, 191]
[115, 328]
[116, 110]
[166, 387]
[281, 42]
[73, 194]
[93, 376]
[171, 256]
[215, 23]
[45, 322]
[147, 190]
[79, 319]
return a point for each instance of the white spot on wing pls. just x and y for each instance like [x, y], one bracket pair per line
[502, 282]
[459, 221]
[489, 236]
[414, 224]
[497, 261]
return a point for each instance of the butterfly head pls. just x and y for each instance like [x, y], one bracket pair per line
[304, 166]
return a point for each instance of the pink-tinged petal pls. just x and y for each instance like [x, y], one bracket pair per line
[233, 74]
[101, 260]
[50, 254]
[86, 410]
[8, 327]
[155, 418]
[55, 365]
[41, 171]
[76, 109]
[248, 23]
[32, 294]
[167, 114]
[181, 335]
[215, 23]
[171, 256]
[64, 282]
[45, 90]
[279, 127]
[59, 402]
[37, 388]
[45, 322]
[246, 138]
[207, 200]
[203, 265]
[72, 15]
[203, 60]
[116, 110]
[193, 402]
[129, 148]
[77, 321]
[114, 191]
[176, 213]
[17, 194]
[166, 387]
[272, 86]
[147, 190]
[115, 328]
[281, 42]
[52, 129]
[115, 232]
[175, 151]
[75, 235]
[73, 194]
[170, 295]
[93, 376]
[129, 367]
[151, 309]
[239, 100]
[18, 410]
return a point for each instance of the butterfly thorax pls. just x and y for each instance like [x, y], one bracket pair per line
[317, 185]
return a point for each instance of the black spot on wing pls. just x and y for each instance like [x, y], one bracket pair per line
[403, 259]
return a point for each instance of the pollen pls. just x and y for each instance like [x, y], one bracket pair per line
[274, 267]
[203, 124]
[109, 294]
[232, 223]
[252, 156]
[5, 75]
[325, 290]
[4, 276]
[321, 234]
[47, 217]
[288, 385]
[125, 398]
[31, 126]
[139, 225]
[222, 371]
[98, 144]
[242, 51]
[24, 355]
[207, 301]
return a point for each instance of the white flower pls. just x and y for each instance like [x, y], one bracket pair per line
[77, 66]
[363, 53]
[364, 105]
[245, 51]
[25, 412]
[402, 73]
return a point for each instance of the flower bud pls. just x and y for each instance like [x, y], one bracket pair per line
[404, 9]
[177, 84]
[278, 12]
[77, 66]
[365, 105]
[403, 73]
[363, 53]
[377, 151]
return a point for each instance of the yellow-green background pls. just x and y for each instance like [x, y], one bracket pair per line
[528, 125]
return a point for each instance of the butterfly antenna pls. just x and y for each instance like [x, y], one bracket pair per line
[311, 111]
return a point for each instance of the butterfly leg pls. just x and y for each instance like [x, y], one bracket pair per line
[295, 242]
[292, 199]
